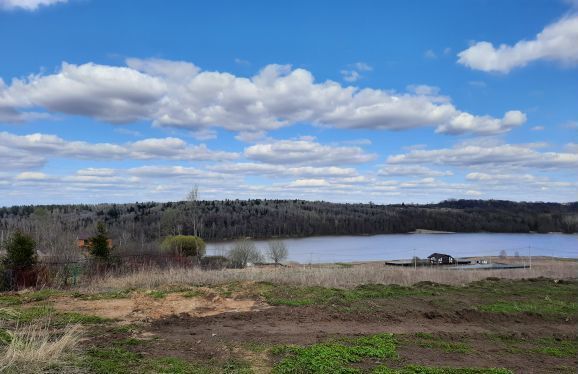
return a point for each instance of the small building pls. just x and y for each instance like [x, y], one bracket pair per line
[441, 259]
[84, 242]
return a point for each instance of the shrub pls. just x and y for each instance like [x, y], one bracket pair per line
[187, 245]
[242, 253]
[277, 251]
[21, 251]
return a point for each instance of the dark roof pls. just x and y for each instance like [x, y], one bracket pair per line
[84, 236]
[437, 255]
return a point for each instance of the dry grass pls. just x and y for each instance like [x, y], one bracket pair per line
[326, 276]
[36, 347]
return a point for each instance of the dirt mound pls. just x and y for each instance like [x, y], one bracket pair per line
[143, 307]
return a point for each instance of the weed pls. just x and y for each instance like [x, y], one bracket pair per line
[335, 357]
[558, 348]
[156, 294]
[414, 369]
[540, 307]
[426, 340]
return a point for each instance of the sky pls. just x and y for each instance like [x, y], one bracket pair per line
[344, 101]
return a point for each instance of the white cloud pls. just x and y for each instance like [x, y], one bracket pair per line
[430, 54]
[29, 5]
[411, 171]
[537, 128]
[305, 151]
[557, 42]
[308, 183]
[353, 71]
[178, 94]
[258, 169]
[36, 147]
[465, 122]
[501, 156]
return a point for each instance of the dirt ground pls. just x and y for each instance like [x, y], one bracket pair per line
[213, 328]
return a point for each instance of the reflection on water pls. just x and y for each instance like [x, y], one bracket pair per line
[397, 246]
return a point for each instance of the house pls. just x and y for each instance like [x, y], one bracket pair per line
[83, 241]
[441, 259]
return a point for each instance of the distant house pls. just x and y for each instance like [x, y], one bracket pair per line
[84, 242]
[441, 259]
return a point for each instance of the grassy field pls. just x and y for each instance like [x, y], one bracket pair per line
[329, 319]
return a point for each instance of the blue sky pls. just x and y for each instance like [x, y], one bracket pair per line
[383, 101]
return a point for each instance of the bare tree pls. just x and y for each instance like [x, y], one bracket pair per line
[192, 199]
[243, 252]
[503, 253]
[277, 251]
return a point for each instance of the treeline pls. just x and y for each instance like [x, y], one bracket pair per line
[139, 224]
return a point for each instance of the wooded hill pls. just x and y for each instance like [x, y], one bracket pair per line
[229, 219]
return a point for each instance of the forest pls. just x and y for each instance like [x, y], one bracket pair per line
[141, 225]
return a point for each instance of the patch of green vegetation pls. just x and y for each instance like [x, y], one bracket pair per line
[121, 361]
[126, 329]
[111, 360]
[540, 307]
[5, 337]
[116, 294]
[426, 340]
[193, 293]
[157, 294]
[236, 366]
[414, 369]
[129, 341]
[558, 347]
[33, 296]
[299, 296]
[335, 357]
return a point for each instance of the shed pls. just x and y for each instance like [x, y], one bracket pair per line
[441, 259]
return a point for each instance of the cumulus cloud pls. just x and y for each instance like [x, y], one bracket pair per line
[307, 151]
[501, 156]
[29, 5]
[557, 42]
[36, 147]
[178, 94]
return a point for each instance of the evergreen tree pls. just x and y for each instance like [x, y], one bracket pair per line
[99, 243]
[21, 250]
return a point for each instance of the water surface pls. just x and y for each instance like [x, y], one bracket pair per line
[320, 249]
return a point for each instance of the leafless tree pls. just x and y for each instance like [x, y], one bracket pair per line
[243, 252]
[277, 251]
[195, 216]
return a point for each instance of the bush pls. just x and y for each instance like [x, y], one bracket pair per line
[187, 245]
[214, 262]
[20, 251]
[242, 253]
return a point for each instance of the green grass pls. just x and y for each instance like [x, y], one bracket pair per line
[122, 361]
[558, 348]
[429, 341]
[5, 337]
[541, 307]
[157, 294]
[300, 296]
[414, 369]
[11, 299]
[335, 357]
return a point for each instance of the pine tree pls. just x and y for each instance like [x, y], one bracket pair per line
[21, 251]
[99, 243]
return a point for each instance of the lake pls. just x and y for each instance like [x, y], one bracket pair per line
[321, 249]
